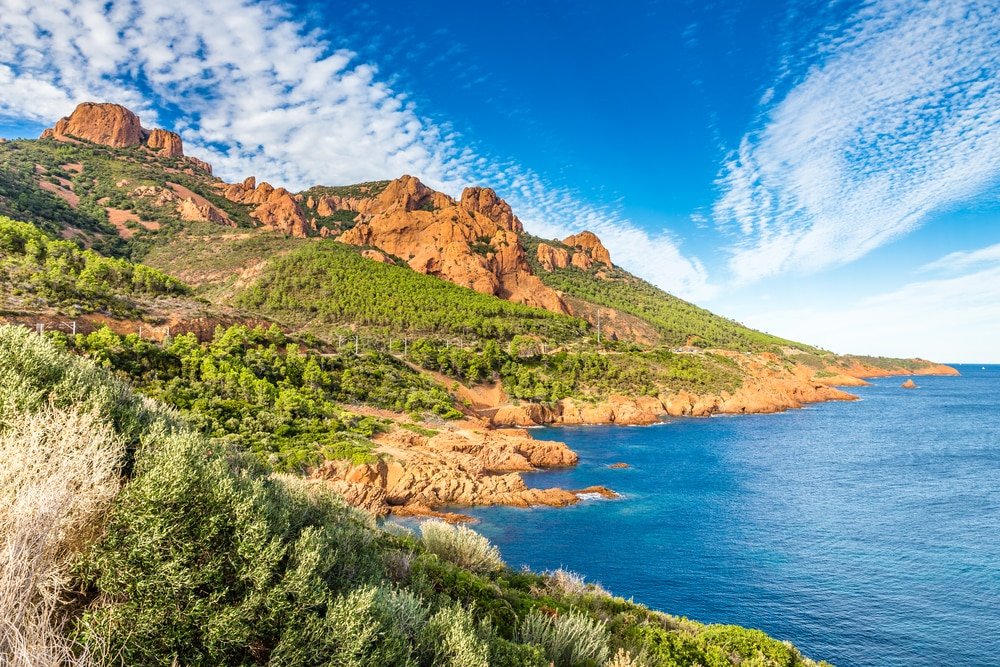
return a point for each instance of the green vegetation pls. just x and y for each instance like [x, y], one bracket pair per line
[205, 558]
[529, 374]
[110, 177]
[677, 321]
[333, 284]
[366, 190]
[256, 390]
[43, 273]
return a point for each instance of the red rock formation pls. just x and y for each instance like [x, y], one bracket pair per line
[276, 208]
[165, 143]
[589, 243]
[113, 125]
[461, 466]
[190, 211]
[486, 201]
[106, 124]
[909, 384]
[552, 258]
[473, 243]
[376, 256]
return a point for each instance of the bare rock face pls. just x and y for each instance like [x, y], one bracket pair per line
[105, 124]
[590, 244]
[114, 125]
[552, 258]
[909, 384]
[473, 243]
[165, 143]
[200, 165]
[190, 211]
[375, 256]
[455, 466]
[276, 208]
[486, 202]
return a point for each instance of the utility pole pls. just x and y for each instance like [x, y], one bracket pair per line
[357, 349]
[598, 326]
[406, 346]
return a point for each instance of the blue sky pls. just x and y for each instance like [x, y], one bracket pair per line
[828, 171]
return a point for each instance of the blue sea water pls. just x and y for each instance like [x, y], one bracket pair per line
[866, 533]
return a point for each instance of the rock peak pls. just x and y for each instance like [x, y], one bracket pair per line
[113, 125]
[588, 242]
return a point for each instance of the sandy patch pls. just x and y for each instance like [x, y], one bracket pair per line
[118, 218]
[59, 191]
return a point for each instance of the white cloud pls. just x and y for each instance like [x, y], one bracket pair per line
[256, 92]
[957, 261]
[953, 319]
[900, 119]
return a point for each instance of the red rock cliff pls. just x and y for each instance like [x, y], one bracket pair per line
[113, 125]
[473, 242]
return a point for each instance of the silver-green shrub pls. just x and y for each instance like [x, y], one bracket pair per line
[569, 640]
[462, 546]
[452, 640]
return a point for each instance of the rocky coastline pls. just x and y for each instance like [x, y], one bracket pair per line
[478, 461]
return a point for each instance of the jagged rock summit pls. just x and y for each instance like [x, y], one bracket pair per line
[581, 250]
[473, 242]
[113, 125]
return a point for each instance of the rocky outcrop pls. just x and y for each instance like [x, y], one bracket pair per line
[909, 384]
[275, 208]
[165, 143]
[473, 242]
[454, 467]
[376, 256]
[590, 245]
[486, 202]
[113, 125]
[855, 367]
[190, 211]
[552, 258]
[767, 387]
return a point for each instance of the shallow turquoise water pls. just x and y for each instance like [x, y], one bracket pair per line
[867, 533]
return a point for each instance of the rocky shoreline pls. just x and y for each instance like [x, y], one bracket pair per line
[479, 462]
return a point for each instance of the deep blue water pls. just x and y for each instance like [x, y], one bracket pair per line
[867, 533]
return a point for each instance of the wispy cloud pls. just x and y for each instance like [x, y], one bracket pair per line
[958, 261]
[899, 118]
[953, 319]
[255, 91]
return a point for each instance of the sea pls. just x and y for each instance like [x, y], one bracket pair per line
[866, 533]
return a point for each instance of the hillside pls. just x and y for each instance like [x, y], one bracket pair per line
[416, 311]
[156, 546]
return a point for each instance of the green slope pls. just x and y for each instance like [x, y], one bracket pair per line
[676, 320]
[205, 558]
[332, 284]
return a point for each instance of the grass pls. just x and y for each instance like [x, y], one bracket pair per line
[60, 474]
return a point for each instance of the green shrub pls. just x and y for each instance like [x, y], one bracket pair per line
[569, 640]
[451, 640]
[462, 546]
[207, 560]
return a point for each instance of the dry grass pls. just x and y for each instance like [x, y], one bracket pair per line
[59, 475]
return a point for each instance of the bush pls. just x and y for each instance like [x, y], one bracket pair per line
[208, 560]
[462, 546]
[569, 640]
[452, 640]
[59, 475]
